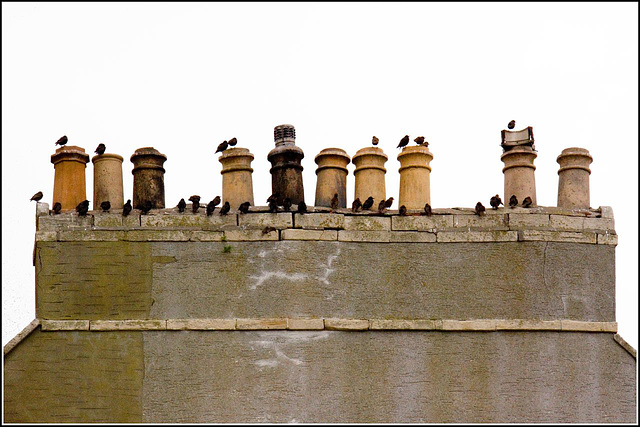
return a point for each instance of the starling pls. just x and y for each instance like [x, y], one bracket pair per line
[427, 209]
[195, 200]
[526, 203]
[367, 204]
[513, 201]
[211, 206]
[495, 201]
[511, 124]
[356, 205]
[233, 142]
[105, 206]
[216, 201]
[286, 204]
[375, 140]
[225, 208]
[223, 146]
[181, 205]
[404, 141]
[275, 197]
[479, 209]
[57, 207]
[273, 206]
[419, 140]
[389, 202]
[37, 196]
[302, 207]
[62, 141]
[403, 210]
[100, 149]
[334, 202]
[146, 207]
[244, 207]
[126, 209]
[83, 208]
[381, 206]
[268, 229]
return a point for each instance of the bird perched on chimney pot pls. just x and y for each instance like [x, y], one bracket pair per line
[100, 149]
[63, 140]
[419, 140]
[105, 206]
[479, 209]
[513, 201]
[495, 201]
[427, 209]
[334, 202]
[375, 140]
[181, 205]
[404, 141]
[233, 142]
[37, 197]
[83, 208]
[511, 124]
[356, 205]
[195, 200]
[126, 209]
[526, 203]
[222, 146]
[244, 207]
[367, 204]
[225, 208]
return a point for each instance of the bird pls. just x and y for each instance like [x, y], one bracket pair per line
[302, 207]
[195, 200]
[181, 205]
[427, 209]
[244, 207]
[126, 209]
[404, 141]
[105, 206]
[211, 206]
[479, 209]
[268, 229]
[83, 208]
[57, 207]
[146, 207]
[63, 140]
[513, 201]
[381, 206]
[388, 202]
[511, 124]
[334, 202]
[216, 201]
[526, 203]
[495, 201]
[375, 140]
[222, 146]
[100, 149]
[286, 204]
[37, 197]
[356, 205]
[225, 208]
[403, 210]
[419, 140]
[233, 142]
[367, 204]
[275, 197]
[273, 206]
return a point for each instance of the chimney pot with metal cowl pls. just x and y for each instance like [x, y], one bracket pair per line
[519, 171]
[286, 167]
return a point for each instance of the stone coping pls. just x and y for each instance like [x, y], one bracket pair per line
[339, 324]
[625, 345]
[21, 335]
[550, 224]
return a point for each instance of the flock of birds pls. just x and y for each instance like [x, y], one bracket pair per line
[275, 200]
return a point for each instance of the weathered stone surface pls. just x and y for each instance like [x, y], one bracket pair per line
[128, 325]
[599, 224]
[391, 324]
[527, 324]
[93, 236]
[632, 351]
[528, 221]
[367, 223]
[298, 234]
[572, 325]
[469, 325]
[201, 324]
[300, 324]
[206, 236]
[607, 239]
[153, 235]
[346, 324]
[261, 324]
[42, 209]
[421, 223]
[21, 336]
[108, 220]
[563, 222]
[478, 236]
[412, 237]
[261, 220]
[364, 236]
[65, 220]
[606, 211]
[319, 221]
[64, 325]
[46, 236]
[190, 220]
[249, 235]
[556, 236]
[477, 222]
[132, 220]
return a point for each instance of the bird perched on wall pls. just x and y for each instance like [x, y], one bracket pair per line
[244, 207]
[57, 207]
[216, 201]
[513, 201]
[479, 209]
[403, 210]
[146, 207]
[100, 149]
[273, 206]
[211, 206]
[286, 204]
[526, 203]
[419, 140]
[495, 201]
[62, 141]
[511, 124]
[367, 204]
[302, 207]
[37, 197]
[225, 208]
[105, 206]
[388, 202]
[83, 208]
[268, 229]
[126, 209]
[427, 209]
[181, 205]
[356, 205]
[404, 141]
[233, 142]
[222, 146]
[334, 202]
[375, 140]
[195, 200]
[381, 206]
[275, 197]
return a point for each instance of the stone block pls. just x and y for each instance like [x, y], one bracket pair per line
[469, 325]
[299, 324]
[319, 221]
[132, 220]
[582, 326]
[402, 324]
[153, 235]
[480, 222]
[300, 234]
[249, 235]
[599, 224]
[528, 221]
[367, 223]
[201, 324]
[128, 325]
[261, 324]
[632, 351]
[64, 325]
[91, 235]
[477, 236]
[556, 236]
[107, 220]
[421, 223]
[606, 211]
[261, 220]
[528, 325]
[46, 236]
[346, 324]
[65, 220]
[364, 236]
[206, 236]
[412, 236]
[190, 220]
[607, 239]
[564, 222]
[42, 208]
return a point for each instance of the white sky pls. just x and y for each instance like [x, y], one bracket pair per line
[184, 77]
